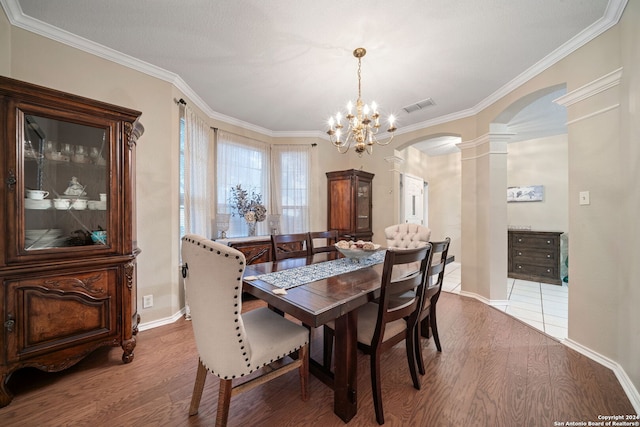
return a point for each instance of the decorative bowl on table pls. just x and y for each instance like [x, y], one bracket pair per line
[356, 250]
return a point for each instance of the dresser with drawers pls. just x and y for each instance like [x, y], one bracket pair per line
[535, 256]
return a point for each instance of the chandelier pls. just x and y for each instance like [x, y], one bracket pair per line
[363, 126]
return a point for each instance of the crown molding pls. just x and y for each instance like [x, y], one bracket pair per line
[590, 89]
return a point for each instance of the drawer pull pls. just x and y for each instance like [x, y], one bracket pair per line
[519, 266]
[548, 270]
[548, 242]
[548, 256]
[519, 240]
[519, 253]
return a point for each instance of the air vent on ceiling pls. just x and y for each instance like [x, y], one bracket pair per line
[419, 105]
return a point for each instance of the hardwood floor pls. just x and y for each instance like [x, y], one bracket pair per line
[494, 371]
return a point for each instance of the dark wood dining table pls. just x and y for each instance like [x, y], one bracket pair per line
[314, 304]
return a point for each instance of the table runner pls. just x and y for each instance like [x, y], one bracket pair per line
[287, 279]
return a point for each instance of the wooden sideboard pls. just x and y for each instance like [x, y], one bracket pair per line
[534, 256]
[256, 249]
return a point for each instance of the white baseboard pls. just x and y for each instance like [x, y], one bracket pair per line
[498, 303]
[623, 378]
[161, 322]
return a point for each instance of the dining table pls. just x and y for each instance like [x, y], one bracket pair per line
[315, 301]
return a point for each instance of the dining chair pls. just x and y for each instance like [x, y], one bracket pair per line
[329, 238]
[407, 235]
[290, 245]
[435, 277]
[382, 325]
[231, 344]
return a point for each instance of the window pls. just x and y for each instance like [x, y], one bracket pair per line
[242, 161]
[292, 165]
[181, 189]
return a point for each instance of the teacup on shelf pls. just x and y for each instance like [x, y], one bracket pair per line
[61, 203]
[36, 194]
[79, 204]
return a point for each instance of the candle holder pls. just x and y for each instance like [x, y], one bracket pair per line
[222, 224]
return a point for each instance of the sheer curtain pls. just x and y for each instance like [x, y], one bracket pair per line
[242, 161]
[199, 174]
[291, 168]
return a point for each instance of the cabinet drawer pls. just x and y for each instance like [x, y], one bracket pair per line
[537, 256]
[533, 241]
[536, 271]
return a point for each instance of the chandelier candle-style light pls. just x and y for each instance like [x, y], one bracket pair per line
[363, 126]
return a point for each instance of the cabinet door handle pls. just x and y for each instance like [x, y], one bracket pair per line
[10, 323]
[548, 242]
[519, 266]
[519, 240]
[548, 270]
[548, 256]
[519, 253]
[11, 180]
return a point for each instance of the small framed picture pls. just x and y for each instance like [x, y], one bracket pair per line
[531, 193]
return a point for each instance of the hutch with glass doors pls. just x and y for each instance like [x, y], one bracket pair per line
[349, 204]
[68, 244]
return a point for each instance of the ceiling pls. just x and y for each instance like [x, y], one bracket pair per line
[283, 67]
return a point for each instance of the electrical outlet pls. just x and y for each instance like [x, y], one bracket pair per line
[147, 301]
[584, 198]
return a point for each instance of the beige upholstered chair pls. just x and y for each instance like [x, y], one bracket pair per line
[384, 324]
[232, 345]
[407, 236]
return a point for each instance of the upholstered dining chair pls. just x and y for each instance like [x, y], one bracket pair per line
[290, 245]
[405, 236]
[382, 325]
[329, 238]
[232, 344]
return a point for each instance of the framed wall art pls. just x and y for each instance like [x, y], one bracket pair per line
[531, 193]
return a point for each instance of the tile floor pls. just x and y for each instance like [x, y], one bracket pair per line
[541, 305]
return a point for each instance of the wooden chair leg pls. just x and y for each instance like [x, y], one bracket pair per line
[376, 388]
[412, 342]
[198, 387]
[224, 400]
[327, 347]
[434, 327]
[304, 372]
[418, 348]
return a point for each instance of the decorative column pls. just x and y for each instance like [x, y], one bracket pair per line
[484, 217]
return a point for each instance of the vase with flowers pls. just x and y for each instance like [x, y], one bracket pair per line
[247, 205]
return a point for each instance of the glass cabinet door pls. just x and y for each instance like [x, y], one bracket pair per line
[65, 182]
[363, 201]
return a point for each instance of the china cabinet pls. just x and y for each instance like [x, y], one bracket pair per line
[68, 246]
[534, 256]
[349, 204]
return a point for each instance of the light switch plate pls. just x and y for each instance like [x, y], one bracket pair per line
[584, 198]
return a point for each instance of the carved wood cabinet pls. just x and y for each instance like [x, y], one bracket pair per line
[68, 243]
[349, 204]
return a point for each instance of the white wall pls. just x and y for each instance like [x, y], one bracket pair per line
[544, 162]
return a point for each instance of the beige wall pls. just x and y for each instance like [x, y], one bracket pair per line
[544, 162]
[602, 151]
